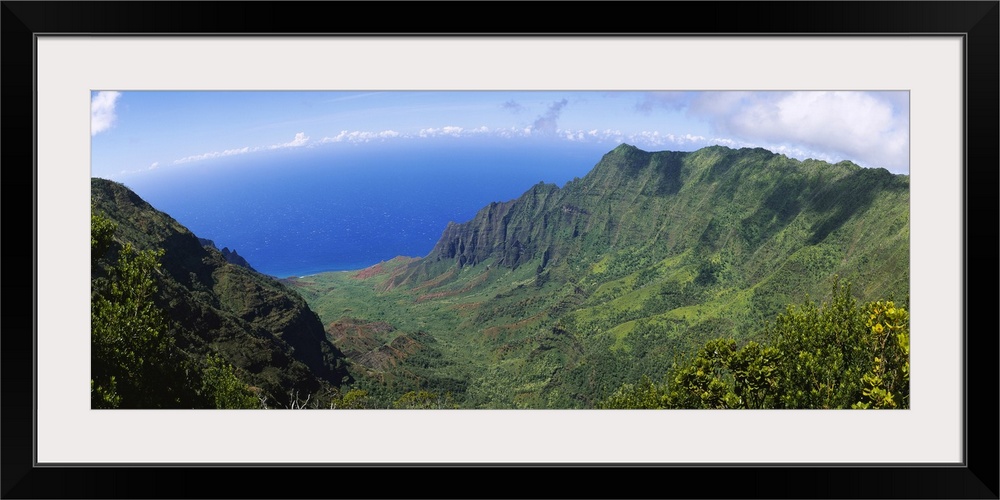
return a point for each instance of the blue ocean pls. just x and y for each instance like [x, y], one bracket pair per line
[311, 210]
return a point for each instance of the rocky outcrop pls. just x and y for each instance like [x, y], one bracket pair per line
[234, 258]
[230, 255]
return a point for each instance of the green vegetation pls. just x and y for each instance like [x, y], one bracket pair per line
[558, 298]
[135, 364]
[222, 384]
[837, 355]
[175, 325]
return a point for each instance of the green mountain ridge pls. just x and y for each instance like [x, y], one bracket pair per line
[554, 299]
[215, 307]
[668, 203]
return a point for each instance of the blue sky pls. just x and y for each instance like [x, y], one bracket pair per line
[139, 133]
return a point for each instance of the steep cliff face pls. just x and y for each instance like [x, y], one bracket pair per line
[547, 222]
[751, 208]
[214, 306]
[508, 233]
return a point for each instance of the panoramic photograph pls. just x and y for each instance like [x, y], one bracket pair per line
[569, 250]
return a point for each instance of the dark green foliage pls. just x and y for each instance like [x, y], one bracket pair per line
[755, 371]
[133, 362]
[102, 229]
[825, 355]
[424, 400]
[704, 381]
[849, 195]
[221, 384]
[354, 399]
[643, 395]
[179, 326]
[834, 355]
[708, 273]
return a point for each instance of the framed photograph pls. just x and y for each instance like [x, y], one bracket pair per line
[924, 77]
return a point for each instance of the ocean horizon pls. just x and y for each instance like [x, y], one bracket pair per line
[303, 212]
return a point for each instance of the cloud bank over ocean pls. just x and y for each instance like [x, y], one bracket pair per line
[133, 130]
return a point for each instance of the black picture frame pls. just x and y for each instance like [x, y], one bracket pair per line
[977, 477]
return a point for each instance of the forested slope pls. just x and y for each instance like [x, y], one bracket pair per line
[169, 312]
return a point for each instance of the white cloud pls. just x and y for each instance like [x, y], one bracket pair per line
[361, 136]
[338, 138]
[870, 128]
[689, 138]
[721, 141]
[102, 111]
[507, 133]
[220, 154]
[154, 165]
[646, 139]
[452, 131]
[300, 140]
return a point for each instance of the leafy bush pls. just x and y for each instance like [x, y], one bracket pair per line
[834, 355]
[134, 362]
